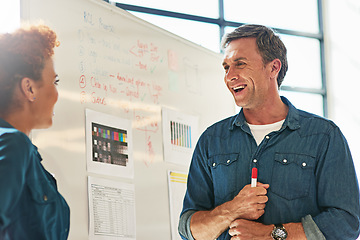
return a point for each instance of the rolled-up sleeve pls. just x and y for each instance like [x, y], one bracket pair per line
[199, 193]
[184, 225]
[338, 190]
[311, 230]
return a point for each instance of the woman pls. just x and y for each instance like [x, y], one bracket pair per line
[30, 205]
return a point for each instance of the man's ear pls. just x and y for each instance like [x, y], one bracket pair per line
[275, 68]
[27, 86]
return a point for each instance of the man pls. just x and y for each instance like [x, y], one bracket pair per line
[307, 186]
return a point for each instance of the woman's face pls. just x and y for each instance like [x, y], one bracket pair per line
[46, 96]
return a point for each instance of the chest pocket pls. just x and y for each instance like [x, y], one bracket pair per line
[224, 174]
[42, 192]
[292, 175]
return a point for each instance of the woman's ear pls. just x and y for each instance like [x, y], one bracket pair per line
[27, 86]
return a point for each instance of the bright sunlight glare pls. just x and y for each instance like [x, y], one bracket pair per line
[9, 15]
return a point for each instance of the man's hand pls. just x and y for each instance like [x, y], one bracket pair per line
[244, 229]
[250, 202]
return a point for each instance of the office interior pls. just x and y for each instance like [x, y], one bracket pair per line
[321, 37]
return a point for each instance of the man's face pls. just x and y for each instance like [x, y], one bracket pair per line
[246, 75]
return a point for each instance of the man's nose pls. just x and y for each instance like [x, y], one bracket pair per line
[231, 74]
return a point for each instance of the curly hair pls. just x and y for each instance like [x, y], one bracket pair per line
[23, 54]
[269, 45]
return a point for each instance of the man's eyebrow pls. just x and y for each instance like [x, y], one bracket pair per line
[235, 60]
[239, 59]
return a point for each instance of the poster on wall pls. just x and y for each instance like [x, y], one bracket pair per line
[111, 210]
[177, 188]
[108, 145]
[180, 134]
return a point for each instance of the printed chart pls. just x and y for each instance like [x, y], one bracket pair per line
[111, 209]
[109, 145]
[180, 132]
[177, 188]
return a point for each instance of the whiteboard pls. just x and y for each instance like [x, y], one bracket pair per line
[112, 62]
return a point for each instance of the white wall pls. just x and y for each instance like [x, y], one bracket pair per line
[342, 19]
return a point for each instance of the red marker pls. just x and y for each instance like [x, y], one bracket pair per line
[254, 177]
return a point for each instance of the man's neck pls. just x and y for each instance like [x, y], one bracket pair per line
[271, 112]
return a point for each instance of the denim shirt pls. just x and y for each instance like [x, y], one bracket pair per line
[307, 164]
[30, 205]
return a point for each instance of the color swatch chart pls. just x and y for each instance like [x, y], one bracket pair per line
[180, 134]
[109, 145]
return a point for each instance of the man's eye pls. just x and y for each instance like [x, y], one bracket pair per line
[240, 64]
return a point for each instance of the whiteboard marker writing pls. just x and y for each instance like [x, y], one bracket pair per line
[253, 177]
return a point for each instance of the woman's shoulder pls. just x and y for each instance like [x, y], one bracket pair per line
[14, 145]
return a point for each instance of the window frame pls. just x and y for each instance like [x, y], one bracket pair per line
[222, 23]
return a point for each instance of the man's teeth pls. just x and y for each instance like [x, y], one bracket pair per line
[239, 88]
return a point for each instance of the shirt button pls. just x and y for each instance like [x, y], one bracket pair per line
[304, 164]
[267, 137]
[254, 161]
[214, 164]
[285, 161]
[45, 198]
[228, 161]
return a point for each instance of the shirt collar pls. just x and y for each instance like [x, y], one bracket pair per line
[5, 124]
[291, 121]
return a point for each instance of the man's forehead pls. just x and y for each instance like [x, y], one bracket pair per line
[233, 55]
[240, 49]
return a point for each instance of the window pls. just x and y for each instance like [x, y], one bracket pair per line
[304, 62]
[9, 15]
[299, 25]
[282, 14]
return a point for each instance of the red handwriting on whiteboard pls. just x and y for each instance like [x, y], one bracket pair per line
[97, 99]
[82, 81]
[140, 49]
[148, 53]
[155, 92]
[149, 125]
[112, 89]
[93, 98]
[154, 53]
[83, 97]
[141, 65]
[95, 83]
[146, 124]
[132, 93]
[150, 150]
